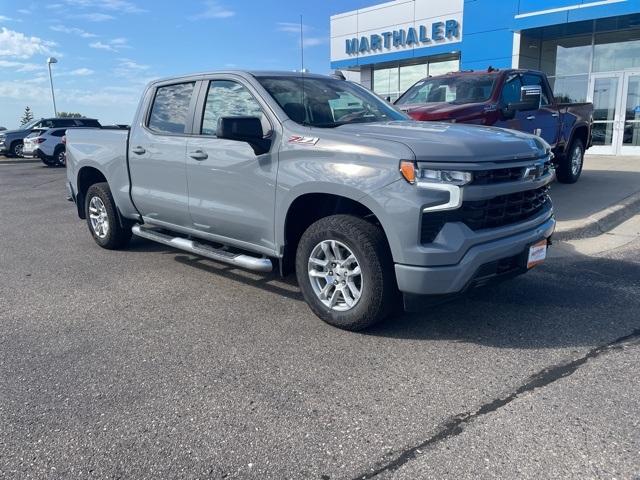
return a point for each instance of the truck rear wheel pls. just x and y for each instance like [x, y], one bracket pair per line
[345, 272]
[570, 166]
[103, 219]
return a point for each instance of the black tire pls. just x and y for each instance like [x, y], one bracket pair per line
[367, 242]
[116, 235]
[16, 149]
[48, 161]
[567, 171]
[58, 158]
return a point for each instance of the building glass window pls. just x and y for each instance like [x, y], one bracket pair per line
[570, 89]
[411, 74]
[616, 50]
[440, 68]
[393, 81]
[385, 82]
[566, 56]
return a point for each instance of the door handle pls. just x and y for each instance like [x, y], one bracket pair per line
[555, 115]
[531, 117]
[198, 155]
[138, 150]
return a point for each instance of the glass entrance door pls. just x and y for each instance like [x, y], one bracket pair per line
[604, 92]
[616, 113]
[630, 124]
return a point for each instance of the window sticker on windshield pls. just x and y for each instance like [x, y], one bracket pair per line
[451, 94]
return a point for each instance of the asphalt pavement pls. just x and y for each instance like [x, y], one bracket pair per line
[152, 363]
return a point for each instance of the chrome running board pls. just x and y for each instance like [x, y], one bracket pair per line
[239, 260]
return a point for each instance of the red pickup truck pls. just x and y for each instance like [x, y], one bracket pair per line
[496, 98]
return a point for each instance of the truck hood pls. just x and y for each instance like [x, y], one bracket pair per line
[452, 142]
[440, 110]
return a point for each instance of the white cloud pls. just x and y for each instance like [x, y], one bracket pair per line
[114, 45]
[81, 72]
[310, 36]
[130, 69]
[72, 31]
[95, 17]
[123, 6]
[4, 18]
[16, 44]
[213, 9]
[20, 66]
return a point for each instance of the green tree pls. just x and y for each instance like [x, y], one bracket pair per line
[70, 115]
[27, 116]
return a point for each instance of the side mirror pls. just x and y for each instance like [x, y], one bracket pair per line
[244, 129]
[530, 97]
[388, 98]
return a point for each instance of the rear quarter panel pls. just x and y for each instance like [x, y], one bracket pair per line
[106, 151]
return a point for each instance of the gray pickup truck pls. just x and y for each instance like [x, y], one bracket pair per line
[318, 175]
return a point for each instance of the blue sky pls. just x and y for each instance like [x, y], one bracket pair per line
[108, 49]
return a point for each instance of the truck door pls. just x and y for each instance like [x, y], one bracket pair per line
[544, 122]
[157, 161]
[231, 189]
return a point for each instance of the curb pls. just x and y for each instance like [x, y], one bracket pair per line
[600, 222]
[19, 162]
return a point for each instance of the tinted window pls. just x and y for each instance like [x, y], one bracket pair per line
[511, 89]
[64, 122]
[171, 108]
[57, 133]
[459, 89]
[533, 79]
[327, 102]
[46, 124]
[228, 99]
[87, 122]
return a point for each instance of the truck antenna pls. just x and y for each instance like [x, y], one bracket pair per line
[302, 58]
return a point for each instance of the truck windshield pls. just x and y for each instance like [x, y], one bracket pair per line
[458, 89]
[327, 102]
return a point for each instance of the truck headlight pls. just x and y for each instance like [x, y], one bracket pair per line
[450, 177]
[413, 174]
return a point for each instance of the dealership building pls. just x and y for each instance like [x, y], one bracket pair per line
[590, 50]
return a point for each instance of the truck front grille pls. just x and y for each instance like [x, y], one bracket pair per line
[501, 175]
[492, 213]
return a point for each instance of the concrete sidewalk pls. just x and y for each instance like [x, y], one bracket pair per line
[607, 193]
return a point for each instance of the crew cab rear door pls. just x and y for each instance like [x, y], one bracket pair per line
[157, 148]
[231, 189]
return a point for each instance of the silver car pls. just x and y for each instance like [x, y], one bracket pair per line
[47, 145]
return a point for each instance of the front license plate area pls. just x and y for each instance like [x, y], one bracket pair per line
[537, 253]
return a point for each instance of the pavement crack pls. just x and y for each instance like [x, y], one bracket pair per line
[456, 424]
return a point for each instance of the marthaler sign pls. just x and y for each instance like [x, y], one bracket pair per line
[411, 37]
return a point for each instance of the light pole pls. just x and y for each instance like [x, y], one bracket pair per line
[51, 60]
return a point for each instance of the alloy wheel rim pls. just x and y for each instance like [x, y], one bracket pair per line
[98, 217]
[576, 160]
[335, 275]
[61, 159]
[19, 150]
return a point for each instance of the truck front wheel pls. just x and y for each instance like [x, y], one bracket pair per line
[570, 166]
[102, 218]
[345, 272]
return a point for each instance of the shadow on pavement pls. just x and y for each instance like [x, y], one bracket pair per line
[561, 304]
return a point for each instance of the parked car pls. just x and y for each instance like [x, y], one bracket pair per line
[2, 128]
[317, 175]
[12, 141]
[494, 98]
[47, 145]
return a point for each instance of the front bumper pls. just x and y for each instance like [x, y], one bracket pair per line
[448, 279]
